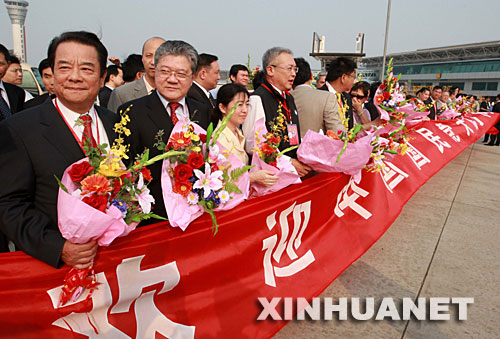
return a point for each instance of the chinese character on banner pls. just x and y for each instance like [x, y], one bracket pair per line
[436, 140]
[392, 175]
[347, 198]
[448, 130]
[288, 243]
[417, 157]
[131, 280]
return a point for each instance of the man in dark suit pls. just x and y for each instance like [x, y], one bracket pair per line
[48, 82]
[175, 62]
[495, 139]
[114, 79]
[11, 96]
[43, 141]
[436, 93]
[140, 87]
[339, 79]
[273, 97]
[205, 79]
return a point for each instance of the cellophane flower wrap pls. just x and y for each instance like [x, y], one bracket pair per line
[206, 178]
[101, 199]
[266, 156]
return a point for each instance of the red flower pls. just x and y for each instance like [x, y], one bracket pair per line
[214, 167]
[383, 86]
[273, 139]
[386, 95]
[182, 188]
[266, 149]
[203, 137]
[379, 98]
[146, 174]
[332, 134]
[195, 160]
[96, 183]
[183, 172]
[273, 163]
[79, 171]
[99, 202]
[179, 140]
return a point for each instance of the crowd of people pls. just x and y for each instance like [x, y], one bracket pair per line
[42, 136]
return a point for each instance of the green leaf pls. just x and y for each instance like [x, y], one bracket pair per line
[215, 226]
[61, 184]
[291, 148]
[231, 187]
[223, 124]
[238, 172]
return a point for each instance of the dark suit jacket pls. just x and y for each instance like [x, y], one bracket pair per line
[196, 93]
[104, 94]
[35, 145]
[148, 116]
[16, 97]
[345, 98]
[38, 100]
[370, 106]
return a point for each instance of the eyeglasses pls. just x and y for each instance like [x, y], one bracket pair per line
[357, 96]
[166, 73]
[289, 69]
[352, 76]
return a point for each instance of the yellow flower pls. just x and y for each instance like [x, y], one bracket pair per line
[195, 137]
[196, 149]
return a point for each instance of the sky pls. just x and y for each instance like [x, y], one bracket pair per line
[232, 29]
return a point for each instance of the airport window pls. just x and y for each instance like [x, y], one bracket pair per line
[447, 85]
[451, 67]
[484, 86]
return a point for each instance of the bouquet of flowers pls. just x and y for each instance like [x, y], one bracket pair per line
[347, 150]
[266, 156]
[457, 108]
[205, 178]
[101, 199]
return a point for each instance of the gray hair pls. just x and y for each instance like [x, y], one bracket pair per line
[320, 74]
[178, 47]
[150, 39]
[271, 54]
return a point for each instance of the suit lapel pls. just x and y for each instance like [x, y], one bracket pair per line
[158, 114]
[108, 121]
[58, 134]
[141, 88]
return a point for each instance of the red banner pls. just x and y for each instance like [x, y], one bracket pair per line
[162, 282]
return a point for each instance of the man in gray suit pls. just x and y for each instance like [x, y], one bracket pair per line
[317, 109]
[140, 87]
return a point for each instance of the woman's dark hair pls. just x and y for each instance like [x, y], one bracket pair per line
[225, 95]
[373, 88]
[257, 79]
[422, 90]
[363, 86]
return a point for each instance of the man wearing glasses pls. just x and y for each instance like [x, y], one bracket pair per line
[175, 61]
[339, 79]
[273, 101]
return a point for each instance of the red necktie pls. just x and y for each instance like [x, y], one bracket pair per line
[87, 137]
[173, 106]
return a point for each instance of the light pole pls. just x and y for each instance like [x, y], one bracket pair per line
[386, 36]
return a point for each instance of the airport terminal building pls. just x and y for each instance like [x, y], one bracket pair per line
[474, 68]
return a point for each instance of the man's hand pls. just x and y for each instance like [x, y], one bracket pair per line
[263, 177]
[115, 60]
[79, 255]
[302, 169]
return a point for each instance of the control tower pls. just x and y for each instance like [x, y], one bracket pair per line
[17, 12]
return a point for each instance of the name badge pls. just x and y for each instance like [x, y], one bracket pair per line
[293, 134]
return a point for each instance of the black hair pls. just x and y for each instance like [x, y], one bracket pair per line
[362, 85]
[225, 95]
[422, 90]
[81, 37]
[205, 60]
[373, 88]
[303, 74]
[5, 52]
[131, 66]
[257, 79]
[437, 87]
[43, 65]
[453, 89]
[111, 70]
[339, 66]
[233, 71]
[13, 60]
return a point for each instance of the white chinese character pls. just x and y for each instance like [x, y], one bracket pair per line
[345, 200]
[467, 128]
[447, 130]
[289, 245]
[436, 140]
[392, 176]
[417, 157]
[131, 281]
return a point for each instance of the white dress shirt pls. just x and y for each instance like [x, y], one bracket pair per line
[202, 88]
[149, 88]
[4, 93]
[330, 88]
[181, 111]
[72, 117]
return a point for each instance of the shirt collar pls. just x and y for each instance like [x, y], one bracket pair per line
[203, 89]
[2, 86]
[282, 93]
[165, 103]
[330, 88]
[149, 88]
[72, 117]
